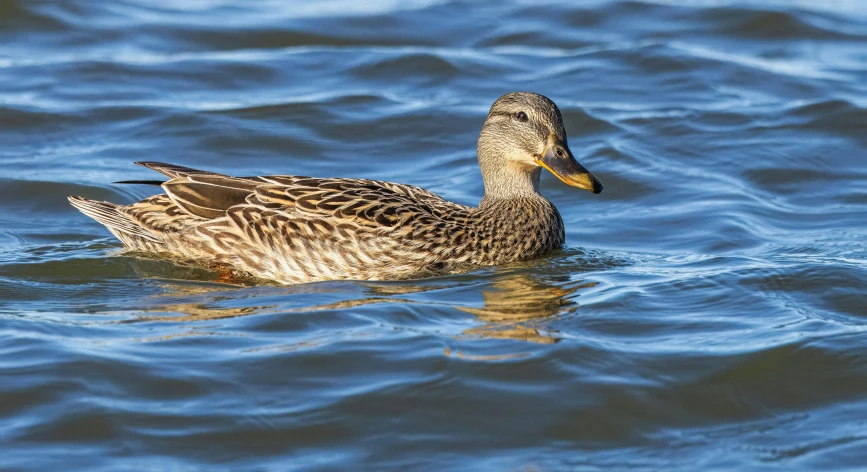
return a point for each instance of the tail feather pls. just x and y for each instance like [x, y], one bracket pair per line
[109, 214]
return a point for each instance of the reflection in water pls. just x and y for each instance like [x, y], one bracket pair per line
[515, 306]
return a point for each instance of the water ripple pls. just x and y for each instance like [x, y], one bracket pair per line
[707, 311]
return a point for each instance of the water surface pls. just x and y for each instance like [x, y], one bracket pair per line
[708, 312]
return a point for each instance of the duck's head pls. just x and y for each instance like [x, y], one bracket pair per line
[523, 133]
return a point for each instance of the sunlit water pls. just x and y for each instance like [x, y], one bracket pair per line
[708, 312]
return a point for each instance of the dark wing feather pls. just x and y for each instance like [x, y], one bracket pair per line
[208, 195]
[174, 171]
[142, 182]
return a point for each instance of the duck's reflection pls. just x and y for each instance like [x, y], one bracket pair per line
[514, 305]
[518, 306]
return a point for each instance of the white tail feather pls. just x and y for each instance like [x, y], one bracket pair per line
[109, 215]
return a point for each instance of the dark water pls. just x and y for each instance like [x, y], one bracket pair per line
[708, 313]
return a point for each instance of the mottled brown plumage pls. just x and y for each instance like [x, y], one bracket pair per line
[294, 229]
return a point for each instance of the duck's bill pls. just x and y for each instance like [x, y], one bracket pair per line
[567, 169]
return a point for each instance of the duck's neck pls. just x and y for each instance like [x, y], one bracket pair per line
[511, 226]
[508, 182]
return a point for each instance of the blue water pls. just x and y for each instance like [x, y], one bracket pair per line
[707, 313]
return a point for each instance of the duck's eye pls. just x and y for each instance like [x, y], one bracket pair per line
[521, 116]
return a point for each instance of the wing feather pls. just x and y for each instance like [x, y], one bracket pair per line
[314, 208]
[208, 196]
[174, 171]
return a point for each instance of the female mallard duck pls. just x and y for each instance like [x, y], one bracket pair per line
[295, 229]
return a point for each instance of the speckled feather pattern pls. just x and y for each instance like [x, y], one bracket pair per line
[299, 229]
[294, 229]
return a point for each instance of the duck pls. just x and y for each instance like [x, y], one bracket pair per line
[295, 229]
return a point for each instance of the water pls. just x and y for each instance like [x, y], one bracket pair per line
[708, 312]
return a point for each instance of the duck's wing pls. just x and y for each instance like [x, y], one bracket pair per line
[173, 171]
[209, 195]
[295, 228]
